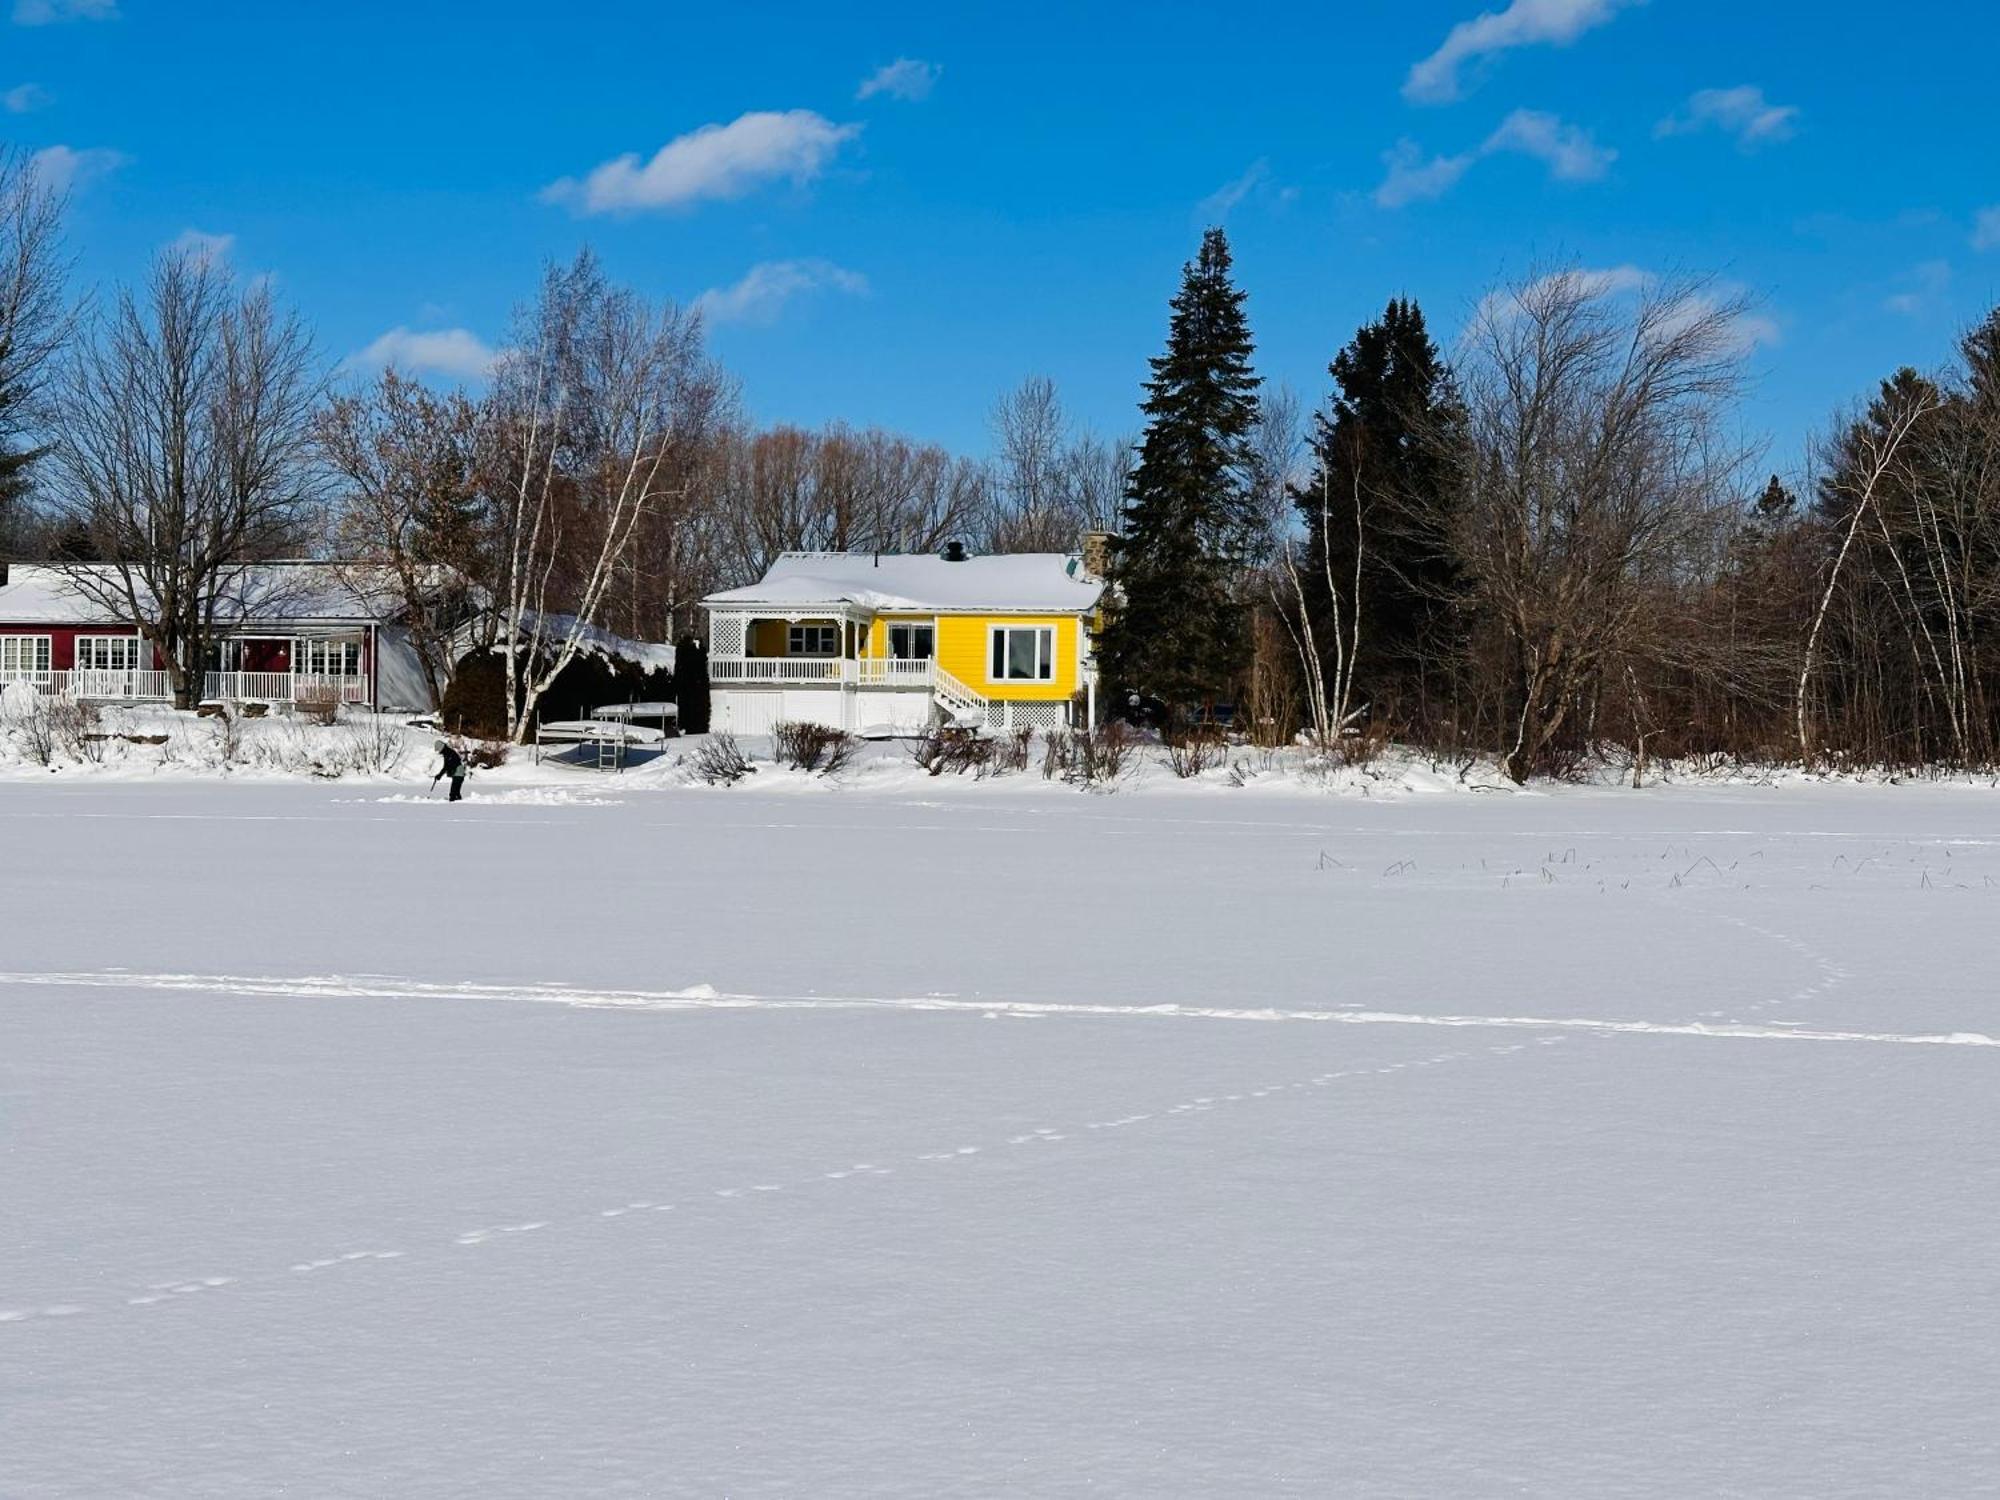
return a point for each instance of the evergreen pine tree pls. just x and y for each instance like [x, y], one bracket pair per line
[1388, 442]
[1179, 631]
[1775, 505]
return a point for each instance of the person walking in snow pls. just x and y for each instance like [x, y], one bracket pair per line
[451, 765]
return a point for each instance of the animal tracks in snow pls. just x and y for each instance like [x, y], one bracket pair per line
[1037, 1140]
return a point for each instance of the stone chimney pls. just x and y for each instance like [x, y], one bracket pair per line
[1095, 548]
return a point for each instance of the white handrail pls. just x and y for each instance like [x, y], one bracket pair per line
[777, 668]
[890, 671]
[282, 687]
[960, 701]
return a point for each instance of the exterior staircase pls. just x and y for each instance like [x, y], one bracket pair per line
[959, 704]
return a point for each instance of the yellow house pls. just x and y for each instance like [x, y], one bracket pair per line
[892, 642]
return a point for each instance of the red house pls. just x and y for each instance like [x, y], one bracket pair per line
[284, 630]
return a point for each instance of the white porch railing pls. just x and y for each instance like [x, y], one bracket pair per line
[105, 685]
[108, 684]
[888, 671]
[281, 687]
[867, 672]
[777, 669]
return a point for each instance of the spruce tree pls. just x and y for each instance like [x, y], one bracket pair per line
[1178, 631]
[1389, 443]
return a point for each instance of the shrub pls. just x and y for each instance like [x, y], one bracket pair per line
[318, 703]
[720, 762]
[1093, 758]
[56, 728]
[1011, 754]
[1192, 752]
[691, 693]
[947, 747]
[1361, 747]
[487, 755]
[805, 746]
[375, 745]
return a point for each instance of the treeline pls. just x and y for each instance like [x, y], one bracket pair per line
[602, 477]
[1553, 548]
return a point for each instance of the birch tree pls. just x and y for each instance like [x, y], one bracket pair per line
[586, 429]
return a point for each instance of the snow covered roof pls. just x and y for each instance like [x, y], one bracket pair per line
[272, 593]
[1019, 582]
[595, 640]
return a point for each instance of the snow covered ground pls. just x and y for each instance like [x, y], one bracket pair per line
[597, 1137]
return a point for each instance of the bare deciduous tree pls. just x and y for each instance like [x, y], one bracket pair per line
[183, 450]
[789, 490]
[409, 513]
[1051, 482]
[1596, 471]
[34, 322]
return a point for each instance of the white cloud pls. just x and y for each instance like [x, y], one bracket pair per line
[1217, 205]
[1568, 150]
[1924, 285]
[765, 289]
[442, 351]
[905, 78]
[1414, 178]
[1588, 281]
[64, 169]
[1743, 112]
[23, 97]
[49, 12]
[1524, 23]
[203, 246]
[1986, 229]
[716, 161]
[1748, 330]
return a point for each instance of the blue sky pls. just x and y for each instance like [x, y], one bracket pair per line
[1017, 191]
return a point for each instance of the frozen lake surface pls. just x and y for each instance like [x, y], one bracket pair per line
[962, 1142]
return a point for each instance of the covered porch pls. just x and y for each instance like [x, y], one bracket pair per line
[810, 647]
[274, 669]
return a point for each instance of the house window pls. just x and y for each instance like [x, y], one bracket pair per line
[910, 641]
[108, 653]
[812, 640]
[21, 655]
[327, 658]
[1022, 653]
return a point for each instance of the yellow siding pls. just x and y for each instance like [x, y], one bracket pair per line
[964, 650]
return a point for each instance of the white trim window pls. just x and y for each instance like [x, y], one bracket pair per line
[25, 655]
[108, 653]
[913, 640]
[812, 638]
[1021, 653]
[326, 658]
